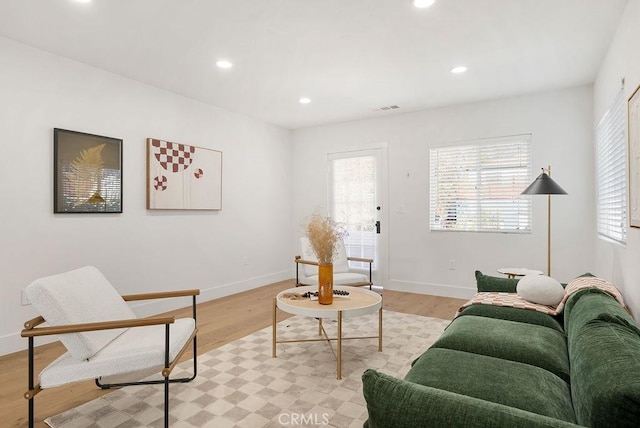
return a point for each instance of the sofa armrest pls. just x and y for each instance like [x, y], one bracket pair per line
[398, 403]
[488, 283]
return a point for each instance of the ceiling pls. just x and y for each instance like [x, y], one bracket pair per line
[349, 57]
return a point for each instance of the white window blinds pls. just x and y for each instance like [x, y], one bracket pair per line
[611, 172]
[476, 186]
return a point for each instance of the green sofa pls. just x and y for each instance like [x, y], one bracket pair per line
[507, 367]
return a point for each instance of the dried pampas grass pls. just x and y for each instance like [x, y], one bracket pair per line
[324, 235]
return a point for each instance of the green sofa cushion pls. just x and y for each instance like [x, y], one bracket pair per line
[396, 403]
[513, 314]
[515, 341]
[604, 352]
[492, 379]
[487, 283]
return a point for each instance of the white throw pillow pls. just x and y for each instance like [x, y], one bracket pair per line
[540, 289]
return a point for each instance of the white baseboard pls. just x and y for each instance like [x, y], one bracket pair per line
[14, 342]
[431, 289]
[159, 306]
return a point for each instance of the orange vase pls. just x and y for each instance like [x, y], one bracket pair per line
[325, 284]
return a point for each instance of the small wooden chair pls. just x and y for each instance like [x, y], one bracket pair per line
[342, 275]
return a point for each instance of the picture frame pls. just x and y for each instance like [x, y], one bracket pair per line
[633, 135]
[183, 177]
[87, 173]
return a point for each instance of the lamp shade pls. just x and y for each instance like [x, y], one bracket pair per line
[544, 185]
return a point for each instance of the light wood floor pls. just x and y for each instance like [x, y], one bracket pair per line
[219, 321]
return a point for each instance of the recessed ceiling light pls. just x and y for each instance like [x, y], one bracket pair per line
[459, 69]
[223, 63]
[304, 100]
[423, 3]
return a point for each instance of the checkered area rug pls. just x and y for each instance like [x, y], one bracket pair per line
[241, 385]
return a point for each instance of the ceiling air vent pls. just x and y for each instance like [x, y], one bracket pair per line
[385, 108]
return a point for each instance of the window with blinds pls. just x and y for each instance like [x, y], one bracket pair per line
[476, 186]
[611, 173]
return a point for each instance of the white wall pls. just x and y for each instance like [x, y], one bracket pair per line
[238, 248]
[241, 247]
[562, 136]
[620, 264]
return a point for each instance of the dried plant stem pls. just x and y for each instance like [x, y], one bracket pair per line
[324, 235]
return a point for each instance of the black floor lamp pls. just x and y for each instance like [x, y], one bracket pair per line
[544, 185]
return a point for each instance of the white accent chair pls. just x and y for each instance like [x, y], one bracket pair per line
[342, 275]
[103, 337]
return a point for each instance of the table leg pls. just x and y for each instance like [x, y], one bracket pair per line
[273, 345]
[380, 330]
[319, 326]
[339, 345]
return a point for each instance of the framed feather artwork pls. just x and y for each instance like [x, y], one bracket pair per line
[183, 177]
[87, 173]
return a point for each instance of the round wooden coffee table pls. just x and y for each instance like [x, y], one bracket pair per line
[359, 302]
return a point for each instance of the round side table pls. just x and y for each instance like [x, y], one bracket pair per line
[360, 302]
[513, 272]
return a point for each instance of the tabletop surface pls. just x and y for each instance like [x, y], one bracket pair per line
[359, 302]
[519, 271]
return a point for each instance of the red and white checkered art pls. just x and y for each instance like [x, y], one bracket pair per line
[183, 177]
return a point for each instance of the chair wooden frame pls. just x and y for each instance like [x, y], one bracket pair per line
[299, 260]
[31, 330]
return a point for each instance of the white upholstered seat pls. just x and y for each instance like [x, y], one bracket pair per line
[134, 351]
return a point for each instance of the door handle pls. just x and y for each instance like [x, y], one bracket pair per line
[378, 226]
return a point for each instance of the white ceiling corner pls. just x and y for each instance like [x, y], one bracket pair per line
[350, 57]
